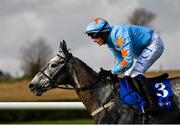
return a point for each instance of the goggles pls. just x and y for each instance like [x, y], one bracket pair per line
[94, 35]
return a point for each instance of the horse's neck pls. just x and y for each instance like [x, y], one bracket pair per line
[94, 97]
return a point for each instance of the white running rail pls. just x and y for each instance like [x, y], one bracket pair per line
[41, 105]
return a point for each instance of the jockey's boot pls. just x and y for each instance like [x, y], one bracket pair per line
[134, 84]
[148, 93]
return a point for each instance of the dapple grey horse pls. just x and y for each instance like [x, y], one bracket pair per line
[96, 93]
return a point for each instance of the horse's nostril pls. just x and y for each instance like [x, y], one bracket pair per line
[31, 86]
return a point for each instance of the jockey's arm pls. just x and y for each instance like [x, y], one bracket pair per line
[124, 56]
[116, 54]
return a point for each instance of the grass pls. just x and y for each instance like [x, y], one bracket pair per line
[18, 91]
[11, 80]
[65, 121]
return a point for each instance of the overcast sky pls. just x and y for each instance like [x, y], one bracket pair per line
[54, 20]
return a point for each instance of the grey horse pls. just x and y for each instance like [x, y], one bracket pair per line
[97, 95]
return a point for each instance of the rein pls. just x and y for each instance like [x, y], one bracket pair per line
[82, 88]
[90, 86]
[61, 68]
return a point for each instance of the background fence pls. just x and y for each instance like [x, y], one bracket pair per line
[41, 105]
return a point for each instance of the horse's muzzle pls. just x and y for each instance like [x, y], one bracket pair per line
[35, 89]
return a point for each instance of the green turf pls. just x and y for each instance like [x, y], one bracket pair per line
[68, 121]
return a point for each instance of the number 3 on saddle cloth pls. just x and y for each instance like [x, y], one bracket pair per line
[161, 90]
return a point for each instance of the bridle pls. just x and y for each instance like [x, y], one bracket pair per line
[60, 69]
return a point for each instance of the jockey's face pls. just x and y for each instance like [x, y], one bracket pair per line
[99, 40]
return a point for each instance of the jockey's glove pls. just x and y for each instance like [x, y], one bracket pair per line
[107, 73]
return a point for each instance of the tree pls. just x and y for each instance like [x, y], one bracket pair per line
[34, 55]
[141, 17]
[4, 74]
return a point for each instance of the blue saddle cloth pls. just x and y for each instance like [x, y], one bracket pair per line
[162, 92]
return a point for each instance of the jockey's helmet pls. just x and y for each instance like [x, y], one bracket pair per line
[97, 26]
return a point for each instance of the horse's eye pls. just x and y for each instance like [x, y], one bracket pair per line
[63, 61]
[53, 65]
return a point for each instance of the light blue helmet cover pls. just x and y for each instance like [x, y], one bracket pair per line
[96, 26]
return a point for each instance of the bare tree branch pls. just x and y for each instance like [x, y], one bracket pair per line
[141, 17]
[34, 55]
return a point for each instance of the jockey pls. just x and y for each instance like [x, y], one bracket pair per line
[135, 49]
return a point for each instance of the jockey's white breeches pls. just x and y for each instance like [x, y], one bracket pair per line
[148, 56]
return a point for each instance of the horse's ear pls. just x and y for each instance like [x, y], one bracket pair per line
[64, 45]
[63, 49]
[60, 46]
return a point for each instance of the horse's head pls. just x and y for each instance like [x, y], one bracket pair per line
[47, 78]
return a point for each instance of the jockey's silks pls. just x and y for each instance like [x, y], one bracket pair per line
[127, 41]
